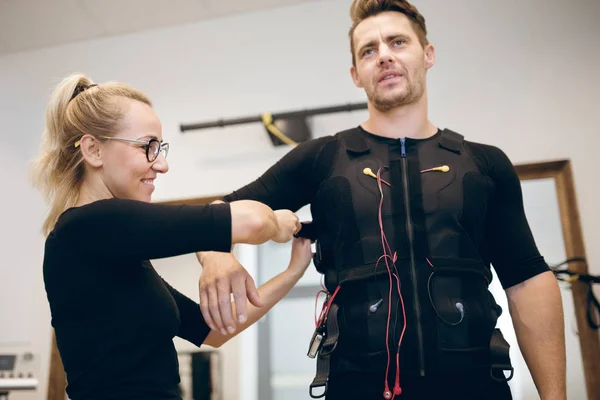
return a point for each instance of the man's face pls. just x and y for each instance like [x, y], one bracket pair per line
[391, 63]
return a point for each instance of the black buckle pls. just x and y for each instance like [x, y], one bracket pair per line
[501, 368]
[323, 343]
[312, 387]
[327, 349]
[316, 342]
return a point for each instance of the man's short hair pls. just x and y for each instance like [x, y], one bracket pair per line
[363, 9]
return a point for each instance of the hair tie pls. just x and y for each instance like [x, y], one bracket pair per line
[81, 88]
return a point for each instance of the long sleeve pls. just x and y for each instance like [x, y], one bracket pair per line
[117, 229]
[290, 183]
[193, 328]
[511, 246]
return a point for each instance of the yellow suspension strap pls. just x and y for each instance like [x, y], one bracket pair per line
[267, 119]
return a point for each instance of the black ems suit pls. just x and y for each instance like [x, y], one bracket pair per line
[448, 208]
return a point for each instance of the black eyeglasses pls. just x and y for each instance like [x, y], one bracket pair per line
[153, 147]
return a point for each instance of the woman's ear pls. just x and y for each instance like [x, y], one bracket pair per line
[91, 150]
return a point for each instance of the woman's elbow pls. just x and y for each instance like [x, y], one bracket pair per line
[264, 228]
[256, 225]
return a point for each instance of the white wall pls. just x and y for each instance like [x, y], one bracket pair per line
[520, 75]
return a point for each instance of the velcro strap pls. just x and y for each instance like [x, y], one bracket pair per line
[500, 357]
[323, 359]
[332, 332]
[309, 230]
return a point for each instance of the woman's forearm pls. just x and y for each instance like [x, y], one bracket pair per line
[270, 293]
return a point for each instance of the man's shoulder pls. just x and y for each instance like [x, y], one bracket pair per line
[488, 157]
[350, 131]
[315, 145]
[469, 144]
[481, 147]
[320, 140]
[353, 140]
[337, 136]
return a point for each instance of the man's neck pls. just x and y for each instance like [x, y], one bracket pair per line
[409, 120]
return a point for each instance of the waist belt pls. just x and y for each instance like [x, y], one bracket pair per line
[359, 273]
[325, 341]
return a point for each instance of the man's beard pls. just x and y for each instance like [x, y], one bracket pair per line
[411, 94]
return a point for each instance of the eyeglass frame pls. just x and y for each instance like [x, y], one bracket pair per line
[163, 146]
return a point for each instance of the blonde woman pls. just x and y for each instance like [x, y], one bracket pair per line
[114, 317]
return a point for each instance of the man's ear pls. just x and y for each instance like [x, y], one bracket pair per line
[429, 56]
[91, 150]
[355, 77]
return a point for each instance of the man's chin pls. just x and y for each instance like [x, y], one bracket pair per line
[384, 105]
[392, 100]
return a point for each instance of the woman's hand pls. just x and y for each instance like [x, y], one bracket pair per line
[301, 257]
[288, 223]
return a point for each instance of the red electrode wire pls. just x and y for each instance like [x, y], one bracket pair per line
[326, 307]
[388, 257]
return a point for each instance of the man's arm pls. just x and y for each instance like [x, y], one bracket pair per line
[534, 299]
[289, 184]
[536, 310]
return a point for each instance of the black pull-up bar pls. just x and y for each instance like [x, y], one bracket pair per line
[284, 115]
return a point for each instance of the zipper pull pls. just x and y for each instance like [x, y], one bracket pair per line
[403, 149]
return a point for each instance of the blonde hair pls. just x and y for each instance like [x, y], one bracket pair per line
[75, 109]
[363, 9]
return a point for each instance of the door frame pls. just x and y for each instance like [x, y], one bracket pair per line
[562, 173]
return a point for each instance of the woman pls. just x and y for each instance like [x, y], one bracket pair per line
[114, 316]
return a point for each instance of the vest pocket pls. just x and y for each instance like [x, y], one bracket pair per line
[465, 311]
[363, 317]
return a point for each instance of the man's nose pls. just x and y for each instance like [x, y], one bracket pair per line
[385, 55]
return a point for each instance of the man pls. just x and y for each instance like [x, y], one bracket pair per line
[408, 219]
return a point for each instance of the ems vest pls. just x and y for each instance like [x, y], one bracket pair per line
[423, 202]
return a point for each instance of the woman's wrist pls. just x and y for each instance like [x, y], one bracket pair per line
[293, 273]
